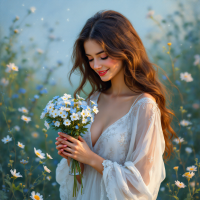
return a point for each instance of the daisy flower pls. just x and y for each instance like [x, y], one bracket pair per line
[57, 123]
[46, 169]
[48, 178]
[32, 9]
[21, 145]
[74, 116]
[95, 109]
[84, 113]
[23, 109]
[36, 196]
[26, 119]
[11, 66]
[67, 122]
[64, 98]
[24, 162]
[60, 113]
[39, 153]
[68, 95]
[16, 175]
[84, 120]
[4, 82]
[185, 122]
[55, 113]
[180, 184]
[175, 168]
[17, 128]
[6, 139]
[189, 174]
[89, 113]
[49, 156]
[186, 77]
[178, 140]
[46, 124]
[192, 168]
[50, 106]
[64, 115]
[35, 134]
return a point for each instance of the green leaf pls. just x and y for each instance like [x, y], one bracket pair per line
[11, 109]
[8, 182]
[197, 190]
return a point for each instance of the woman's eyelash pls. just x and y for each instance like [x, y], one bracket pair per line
[101, 58]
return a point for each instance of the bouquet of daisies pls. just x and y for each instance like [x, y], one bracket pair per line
[70, 116]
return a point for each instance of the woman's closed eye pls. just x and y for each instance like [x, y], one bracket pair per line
[101, 58]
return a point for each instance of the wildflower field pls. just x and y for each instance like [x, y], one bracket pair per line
[28, 155]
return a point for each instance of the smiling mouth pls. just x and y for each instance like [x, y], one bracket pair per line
[103, 72]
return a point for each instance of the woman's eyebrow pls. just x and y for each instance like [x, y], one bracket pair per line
[96, 53]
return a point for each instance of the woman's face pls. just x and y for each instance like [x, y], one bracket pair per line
[99, 61]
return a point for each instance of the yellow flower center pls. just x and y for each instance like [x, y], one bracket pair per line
[7, 140]
[37, 153]
[35, 135]
[20, 145]
[37, 197]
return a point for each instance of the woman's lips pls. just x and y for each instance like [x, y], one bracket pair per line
[102, 73]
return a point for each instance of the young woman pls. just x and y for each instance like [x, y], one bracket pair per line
[121, 155]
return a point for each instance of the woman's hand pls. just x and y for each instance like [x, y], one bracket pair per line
[76, 149]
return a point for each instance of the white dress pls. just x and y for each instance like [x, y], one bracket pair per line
[132, 147]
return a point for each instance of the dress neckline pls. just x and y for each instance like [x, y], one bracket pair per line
[97, 98]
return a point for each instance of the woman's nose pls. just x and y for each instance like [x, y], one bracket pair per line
[97, 64]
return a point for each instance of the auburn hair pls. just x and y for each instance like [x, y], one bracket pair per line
[116, 35]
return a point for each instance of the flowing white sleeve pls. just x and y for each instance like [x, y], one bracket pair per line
[139, 178]
[65, 181]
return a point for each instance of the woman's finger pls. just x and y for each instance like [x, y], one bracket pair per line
[60, 146]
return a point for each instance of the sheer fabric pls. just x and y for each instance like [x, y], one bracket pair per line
[132, 147]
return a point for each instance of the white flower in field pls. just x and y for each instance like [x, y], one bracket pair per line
[66, 102]
[4, 82]
[84, 113]
[185, 122]
[197, 59]
[39, 153]
[17, 128]
[178, 140]
[21, 145]
[60, 112]
[89, 113]
[67, 122]
[24, 162]
[192, 184]
[68, 95]
[180, 184]
[84, 120]
[35, 134]
[48, 178]
[64, 115]
[189, 174]
[16, 175]
[23, 109]
[192, 168]
[36, 196]
[88, 108]
[26, 119]
[64, 108]
[40, 51]
[95, 109]
[64, 98]
[188, 150]
[10, 67]
[186, 77]
[57, 123]
[50, 102]
[49, 156]
[6, 139]
[42, 115]
[32, 9]
[46, 124]
[189, 115]
[55, 113]
[50, 106]
[150, 14]
[46, 169]
[74, 116]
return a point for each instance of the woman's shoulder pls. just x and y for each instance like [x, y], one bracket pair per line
[147, 95]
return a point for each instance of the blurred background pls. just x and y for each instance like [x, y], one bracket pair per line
[36, 41]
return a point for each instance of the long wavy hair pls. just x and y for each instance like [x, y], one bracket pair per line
[118, 38]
